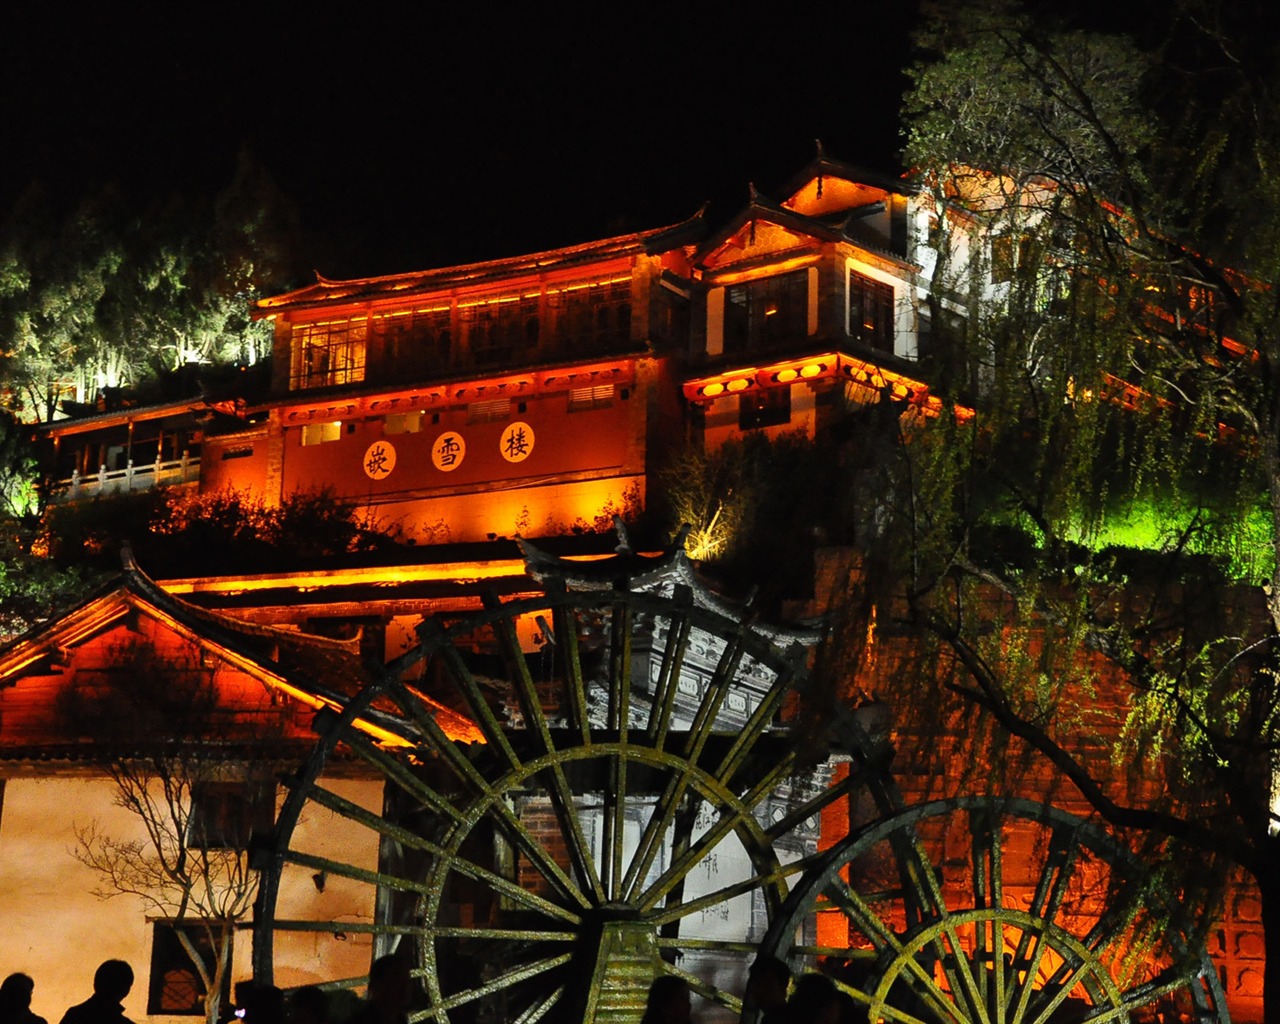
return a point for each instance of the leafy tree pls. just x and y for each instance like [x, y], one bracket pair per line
[104, 297]
[1106, 272]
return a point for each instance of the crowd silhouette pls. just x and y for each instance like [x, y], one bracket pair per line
[811, 998]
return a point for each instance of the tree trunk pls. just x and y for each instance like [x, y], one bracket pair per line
[1268, 881]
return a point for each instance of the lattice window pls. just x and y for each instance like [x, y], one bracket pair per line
[870, 312]
[175, 986]
[766, 312]
[328, 354]
[597, 397]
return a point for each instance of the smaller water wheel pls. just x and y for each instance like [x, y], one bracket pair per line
[983, 911]
[627, 806]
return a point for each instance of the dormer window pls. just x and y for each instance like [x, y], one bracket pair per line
[766, 312]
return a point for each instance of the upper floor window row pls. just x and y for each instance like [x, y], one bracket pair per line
[574, 319]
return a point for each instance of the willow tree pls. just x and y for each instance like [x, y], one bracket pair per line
[1098, 506]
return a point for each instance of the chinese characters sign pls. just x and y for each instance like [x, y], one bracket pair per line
[517, 442]
[447, 451]
[379, 460]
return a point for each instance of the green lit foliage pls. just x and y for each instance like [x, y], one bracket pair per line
[32, 587]
[102, 297]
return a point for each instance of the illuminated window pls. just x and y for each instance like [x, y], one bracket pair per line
[412, 342]
[766, 312]
[591, 398]
[499, 329]
[591, 316]
[764, 407]
[870, 312]
[321, 433]
[327, 354]
[402, 423]
[175, 986]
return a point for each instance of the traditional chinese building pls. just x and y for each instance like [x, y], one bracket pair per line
[533, 396]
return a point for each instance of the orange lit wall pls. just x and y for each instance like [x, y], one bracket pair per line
[528, 510]
[237, 463]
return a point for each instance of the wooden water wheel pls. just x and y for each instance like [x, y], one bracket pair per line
[985, 911]
[630, 805]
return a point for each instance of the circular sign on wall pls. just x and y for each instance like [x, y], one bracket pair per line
[447, 451]
[517, 442]
[379, 460]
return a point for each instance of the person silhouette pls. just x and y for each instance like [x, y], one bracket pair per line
[390, 992]
[668, 1001]
[111, 983]
[767, 985]
[309, 1005]
[15, 1000]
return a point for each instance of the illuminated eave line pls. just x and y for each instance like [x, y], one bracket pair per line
[452, 572]
[822, 366]
[301, 406]
[31, 652]
[604, 249]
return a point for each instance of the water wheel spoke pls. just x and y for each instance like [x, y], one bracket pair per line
[330, 927]
[475, 872]
[481, 714]
[679, 944]
[761, 717]
[503, 981]
[704, 988]
[536, 723]
[1055, 992]
[515, 831]
[569, 658]
[679, 625]
[476, 932]
[620, 637]
[825, 797]
[342, 869]
[924, 987]
[661, 820]
[538, 1009]
[717, 687]
[397, 771]
[731, 817]
[676, 911]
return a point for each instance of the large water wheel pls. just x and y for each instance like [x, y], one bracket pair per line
[985, 911]
[581, 791]
[630, 806]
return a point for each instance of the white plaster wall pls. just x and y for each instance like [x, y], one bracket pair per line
[51, 926]
[54, 929]
[307, 958]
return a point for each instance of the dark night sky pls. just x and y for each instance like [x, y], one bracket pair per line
[428, 134]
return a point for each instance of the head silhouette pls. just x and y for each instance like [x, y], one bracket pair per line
[113, 979]
[15, 994]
